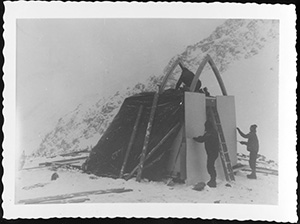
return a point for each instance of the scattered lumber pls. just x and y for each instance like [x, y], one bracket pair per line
[35, 186]
[79, 200]
[258, 169]
[267, 169]
[264, 170]
[64, 161]
[75, 153]
[60, 198]
[238, 167]
[34, 167]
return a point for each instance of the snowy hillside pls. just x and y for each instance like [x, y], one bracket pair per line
[231, 42]
[83, 127]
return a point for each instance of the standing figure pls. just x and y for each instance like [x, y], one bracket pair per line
[212, 148]
[252, 147]
[187, 78]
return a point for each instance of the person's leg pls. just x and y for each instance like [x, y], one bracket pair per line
[252, 163]
[211, 170]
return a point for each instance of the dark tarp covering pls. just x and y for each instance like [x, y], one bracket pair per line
[107, 156]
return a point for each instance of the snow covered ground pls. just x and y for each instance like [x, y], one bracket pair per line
[36, 183]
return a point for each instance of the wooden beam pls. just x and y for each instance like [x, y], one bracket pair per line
[212, 64]
[62, 161]
[217, 74]
[261, 171]
[171, 69]
[154, 161]
[147, 136]
[154, 149]
[50, 199]
[182, 144]
[197, 75]
[131, 140]
[76, 152]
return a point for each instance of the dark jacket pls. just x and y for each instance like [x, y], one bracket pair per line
[252, 144]
[187, 78]
[210, 139]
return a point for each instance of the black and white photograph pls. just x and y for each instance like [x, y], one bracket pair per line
[149, 111]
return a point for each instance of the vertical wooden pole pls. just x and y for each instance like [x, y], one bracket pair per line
[131, 140]
[147, 136]
[183, 155]
[182, 144]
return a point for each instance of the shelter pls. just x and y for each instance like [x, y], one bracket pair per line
[151, 136]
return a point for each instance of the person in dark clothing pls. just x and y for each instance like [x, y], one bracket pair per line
[212, 148]
[205, 91]
[187, 78]
[252, 146]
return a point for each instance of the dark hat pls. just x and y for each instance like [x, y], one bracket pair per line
[253, 126]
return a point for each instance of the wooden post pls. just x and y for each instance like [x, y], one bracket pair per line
[131, 140]
[147, 136]
[154, 149]
[182, 144]
[164, 82]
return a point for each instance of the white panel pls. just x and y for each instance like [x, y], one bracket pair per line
[226, 109]
[195, 117]
[172, 167]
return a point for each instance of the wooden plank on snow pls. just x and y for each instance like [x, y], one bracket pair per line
[51, 199]
[63, 161]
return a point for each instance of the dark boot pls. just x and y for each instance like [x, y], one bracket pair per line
[252, 176]
[212, 183]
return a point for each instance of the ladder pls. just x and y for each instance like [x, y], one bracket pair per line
[228, 171]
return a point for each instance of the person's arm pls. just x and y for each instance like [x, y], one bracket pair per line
[244, 143]
[242, 134]
[202, 138]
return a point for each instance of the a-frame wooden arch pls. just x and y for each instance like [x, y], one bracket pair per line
[207, 59]
[226, 163]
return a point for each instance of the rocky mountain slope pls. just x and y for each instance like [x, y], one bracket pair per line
[230, 42]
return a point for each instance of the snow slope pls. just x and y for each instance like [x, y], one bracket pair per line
[36, 183]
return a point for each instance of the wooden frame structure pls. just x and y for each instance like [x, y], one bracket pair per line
[144, 155]
[207, 59]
